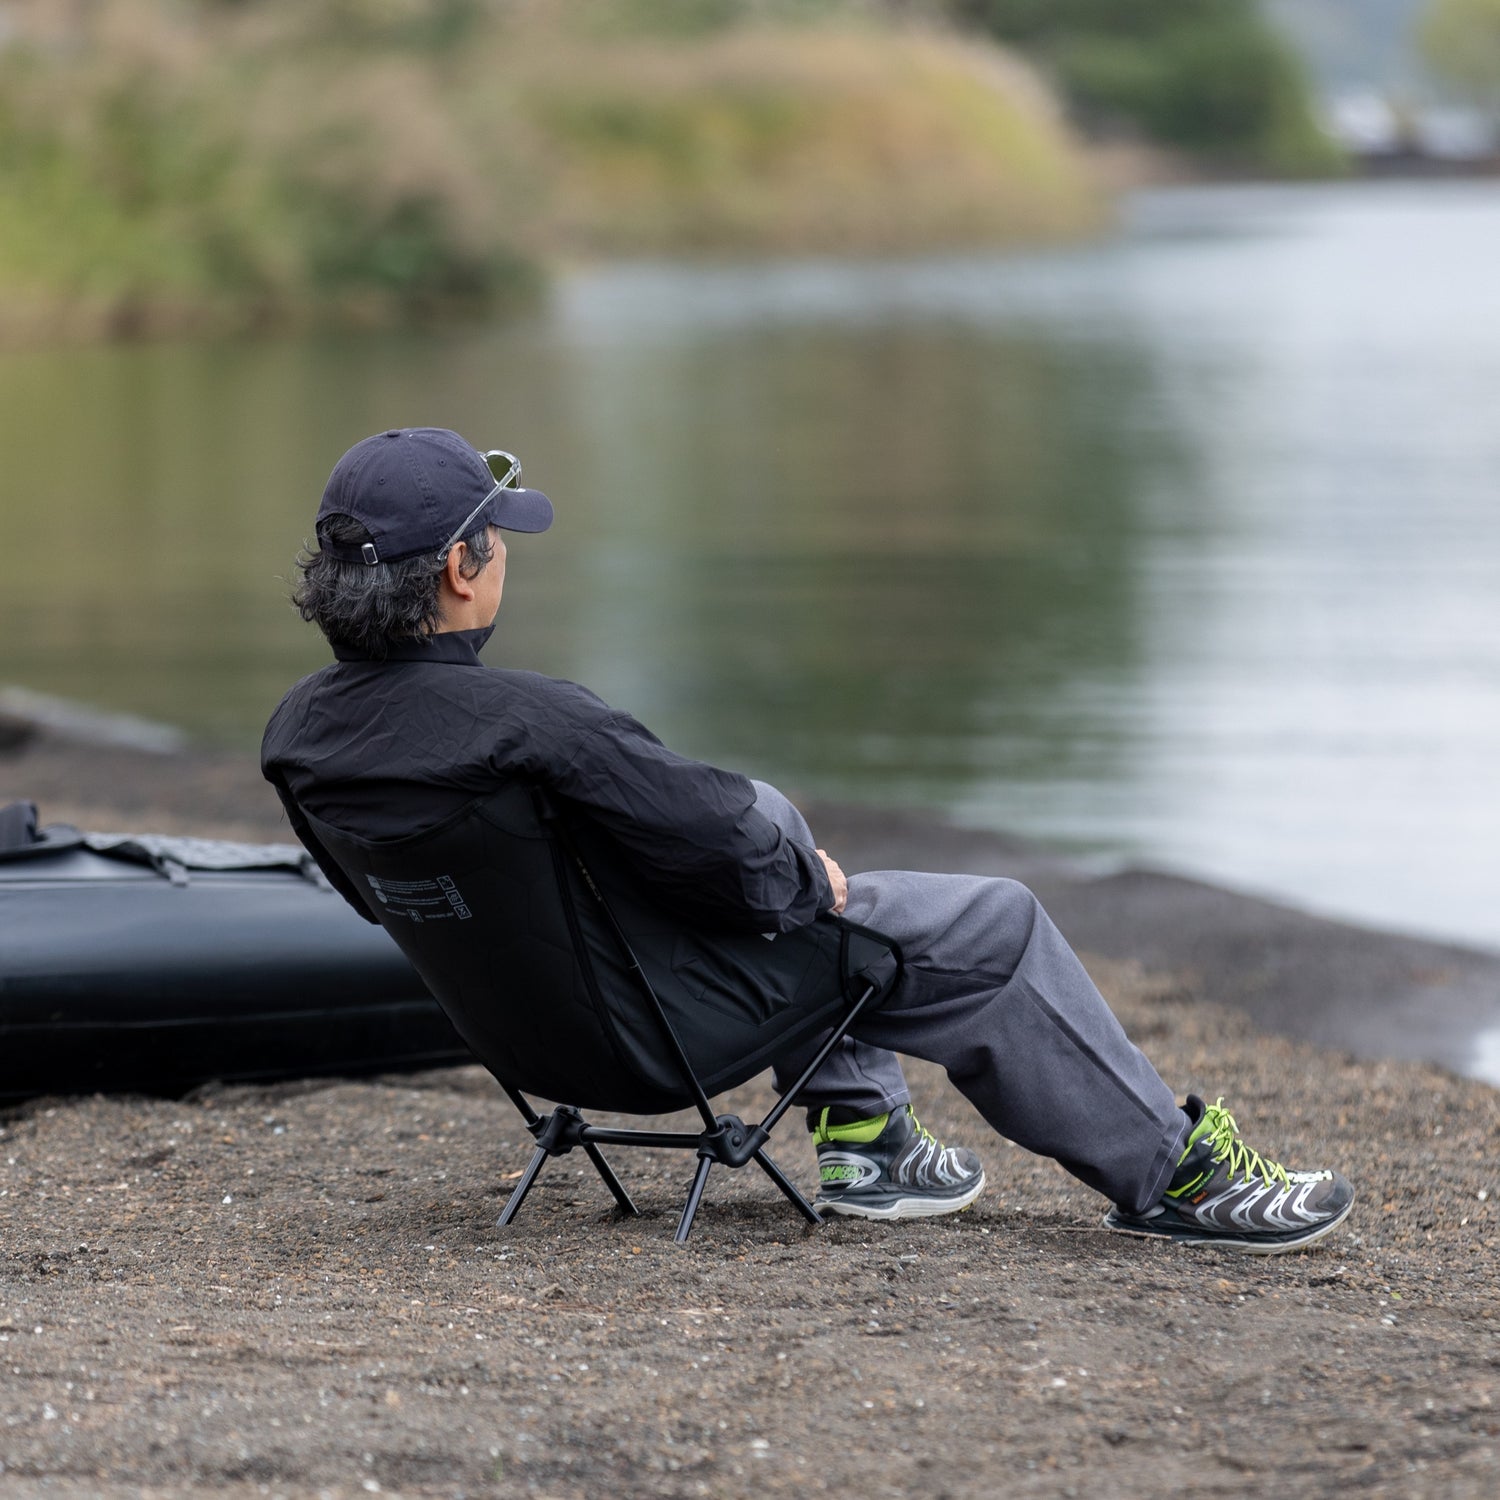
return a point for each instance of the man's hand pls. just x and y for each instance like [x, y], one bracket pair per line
[836, 880]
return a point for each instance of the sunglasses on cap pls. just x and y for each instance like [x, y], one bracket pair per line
[505, 470]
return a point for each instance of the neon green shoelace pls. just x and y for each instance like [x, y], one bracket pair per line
[1228, 1145]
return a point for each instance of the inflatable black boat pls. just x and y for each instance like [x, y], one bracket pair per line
[151, 964]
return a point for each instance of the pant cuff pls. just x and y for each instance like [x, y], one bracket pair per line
[1162, 1167]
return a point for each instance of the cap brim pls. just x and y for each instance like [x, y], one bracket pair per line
[521, 510]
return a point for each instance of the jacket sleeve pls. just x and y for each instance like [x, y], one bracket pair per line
[694, 831]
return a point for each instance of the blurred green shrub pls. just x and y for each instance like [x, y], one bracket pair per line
[1206, 76]
[846, 141]
[161, 169]
[207, 164]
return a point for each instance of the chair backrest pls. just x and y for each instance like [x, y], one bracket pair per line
[526, 925]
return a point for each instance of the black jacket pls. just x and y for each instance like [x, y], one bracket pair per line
[382, 749]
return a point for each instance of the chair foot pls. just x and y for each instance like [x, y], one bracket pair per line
[694, 1197]
[613, 1183]
[556, 1135]
[519, 1192]
[790, 1188]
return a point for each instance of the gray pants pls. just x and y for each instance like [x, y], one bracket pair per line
[995, 996]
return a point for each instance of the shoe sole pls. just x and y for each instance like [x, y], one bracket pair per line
[901, 1208]
[1182, 1235]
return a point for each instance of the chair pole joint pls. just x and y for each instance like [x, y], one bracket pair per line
[732, 1141]
[558, 1132]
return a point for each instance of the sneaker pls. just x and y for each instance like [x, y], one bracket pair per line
[891, 1168]
[1223, 1193]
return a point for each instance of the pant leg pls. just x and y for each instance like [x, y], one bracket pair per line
[995, 996]
[857, 1076]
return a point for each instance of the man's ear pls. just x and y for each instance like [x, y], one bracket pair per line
[453, 580]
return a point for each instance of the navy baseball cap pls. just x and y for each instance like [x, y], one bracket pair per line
[419, 489]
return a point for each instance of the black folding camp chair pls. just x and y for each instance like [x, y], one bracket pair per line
[567, 980]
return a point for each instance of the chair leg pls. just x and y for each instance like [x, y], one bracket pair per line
[613, 1183]
[694, 1197]
[519, 1192]
[788, 1187]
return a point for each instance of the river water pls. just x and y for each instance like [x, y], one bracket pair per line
[1182, 547]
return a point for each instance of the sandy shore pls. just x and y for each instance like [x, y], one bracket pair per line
[300, 1289]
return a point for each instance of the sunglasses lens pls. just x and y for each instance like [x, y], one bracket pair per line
[505, 468]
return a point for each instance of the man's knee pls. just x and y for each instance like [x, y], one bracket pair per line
[998, 925]
[953, 923]
[1009, 898]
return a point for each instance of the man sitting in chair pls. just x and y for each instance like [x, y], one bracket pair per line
[407, 726]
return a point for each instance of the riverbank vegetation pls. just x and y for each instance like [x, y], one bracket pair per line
[217, 164]
[1208, 78]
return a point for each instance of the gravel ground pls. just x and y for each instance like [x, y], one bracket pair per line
[301, 1290]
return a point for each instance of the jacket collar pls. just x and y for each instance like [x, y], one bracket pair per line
[456, 647]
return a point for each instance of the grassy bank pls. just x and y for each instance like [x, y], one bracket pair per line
[213, 165]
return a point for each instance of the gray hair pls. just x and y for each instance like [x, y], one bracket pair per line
[367, 607]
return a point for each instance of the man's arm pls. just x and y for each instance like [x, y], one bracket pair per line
[694, 831]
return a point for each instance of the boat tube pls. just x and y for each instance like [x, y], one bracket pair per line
[151, 964]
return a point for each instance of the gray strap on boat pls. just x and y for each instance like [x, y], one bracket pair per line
[176, 857]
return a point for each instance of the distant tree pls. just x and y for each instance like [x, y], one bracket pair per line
[1461, 39]
[1041, 20]
[1205, 76]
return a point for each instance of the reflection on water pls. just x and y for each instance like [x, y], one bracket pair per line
[1183, 546]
